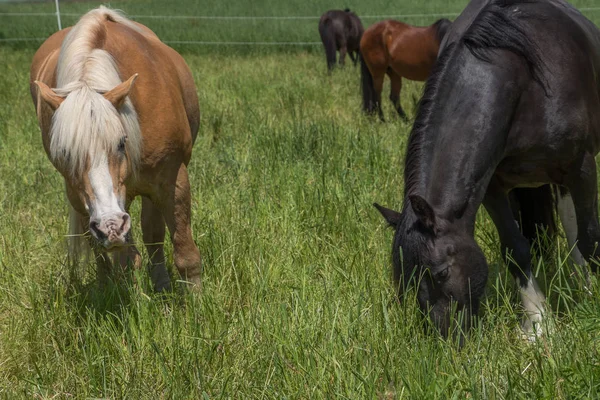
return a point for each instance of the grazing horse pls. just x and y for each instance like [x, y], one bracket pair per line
[118, 111]
[340, 31]
[400, 51]
[513, 101]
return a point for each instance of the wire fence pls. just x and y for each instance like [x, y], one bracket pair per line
[233, 17]
[58, 15]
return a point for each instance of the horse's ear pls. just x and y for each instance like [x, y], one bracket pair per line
[423, 211]
[118, 94]
[49, 95]
[392, 217]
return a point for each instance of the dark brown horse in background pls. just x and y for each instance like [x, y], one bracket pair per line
[340, 31]
[398, 50]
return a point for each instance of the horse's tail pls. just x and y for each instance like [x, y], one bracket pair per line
[367, 88]
[534, 210]
[328, 39]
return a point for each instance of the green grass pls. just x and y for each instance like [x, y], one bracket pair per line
[297, 300]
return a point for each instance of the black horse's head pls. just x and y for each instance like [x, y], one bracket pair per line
[449, 267]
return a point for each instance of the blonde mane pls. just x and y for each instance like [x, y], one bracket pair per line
[86, 125]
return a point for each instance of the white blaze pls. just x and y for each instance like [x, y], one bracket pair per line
[105, 202]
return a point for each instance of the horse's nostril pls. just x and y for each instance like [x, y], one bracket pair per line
[95, 230]
[125, 223]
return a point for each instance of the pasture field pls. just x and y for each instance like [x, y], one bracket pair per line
[297, 300]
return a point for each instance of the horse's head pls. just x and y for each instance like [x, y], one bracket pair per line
[449, 267]
[88, 145]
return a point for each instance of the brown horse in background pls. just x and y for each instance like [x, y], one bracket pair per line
[400, 51]
[340, 31]
[114, 137]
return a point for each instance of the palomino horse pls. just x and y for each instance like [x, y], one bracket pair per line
[120, 122]
[340, 31]
[513, 101]
[400, 51]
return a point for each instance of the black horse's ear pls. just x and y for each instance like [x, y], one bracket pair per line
[392, 217]
[423, 211]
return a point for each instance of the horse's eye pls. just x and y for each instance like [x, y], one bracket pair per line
[442, 275]
[121, 147]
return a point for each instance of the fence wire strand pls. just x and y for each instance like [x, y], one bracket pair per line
[224, 17]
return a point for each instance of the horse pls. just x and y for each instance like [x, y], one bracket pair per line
[119, 114]
[512, 102]
[400, 51]
[340, 31]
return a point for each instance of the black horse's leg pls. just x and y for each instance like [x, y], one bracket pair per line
[568, 218]
[354, 57]
[515, 249]
[395, 88]
[343, 51]
[583, 186]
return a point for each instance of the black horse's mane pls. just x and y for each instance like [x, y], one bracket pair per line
[499, 25]
[441, 27]
[422, 121]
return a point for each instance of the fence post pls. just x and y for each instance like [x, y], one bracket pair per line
[58, 15]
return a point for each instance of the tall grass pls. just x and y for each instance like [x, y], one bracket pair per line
[297, 300]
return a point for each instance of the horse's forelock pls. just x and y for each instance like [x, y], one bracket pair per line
[84, 127]
[409, 252]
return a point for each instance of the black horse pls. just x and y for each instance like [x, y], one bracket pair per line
[340, 31]
[513, 101]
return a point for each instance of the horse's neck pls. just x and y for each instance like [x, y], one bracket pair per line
[465, 138]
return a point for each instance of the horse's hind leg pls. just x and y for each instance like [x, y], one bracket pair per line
[396, 87]
[343, 51]
[515, 248]
[353, 56]
[153, 231]
[176, 209]
[582, 185]
[378, 87]
[568, 218]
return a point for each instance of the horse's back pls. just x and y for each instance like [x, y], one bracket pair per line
[409, 50]
[557, 118]
[165, 92]
[44, 61]
[345, 25]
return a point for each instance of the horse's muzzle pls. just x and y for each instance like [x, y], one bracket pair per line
[111, 231]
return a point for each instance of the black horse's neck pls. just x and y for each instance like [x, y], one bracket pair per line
[459, 134]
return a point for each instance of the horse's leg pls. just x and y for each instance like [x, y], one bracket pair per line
[175, 204]
[568, 218]
[153, 231]
[515, 249]
[583, 186]
[128, 256]
[395, 88]
[378, 87]
[343, 51]
[354, 57]
[104, 267]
